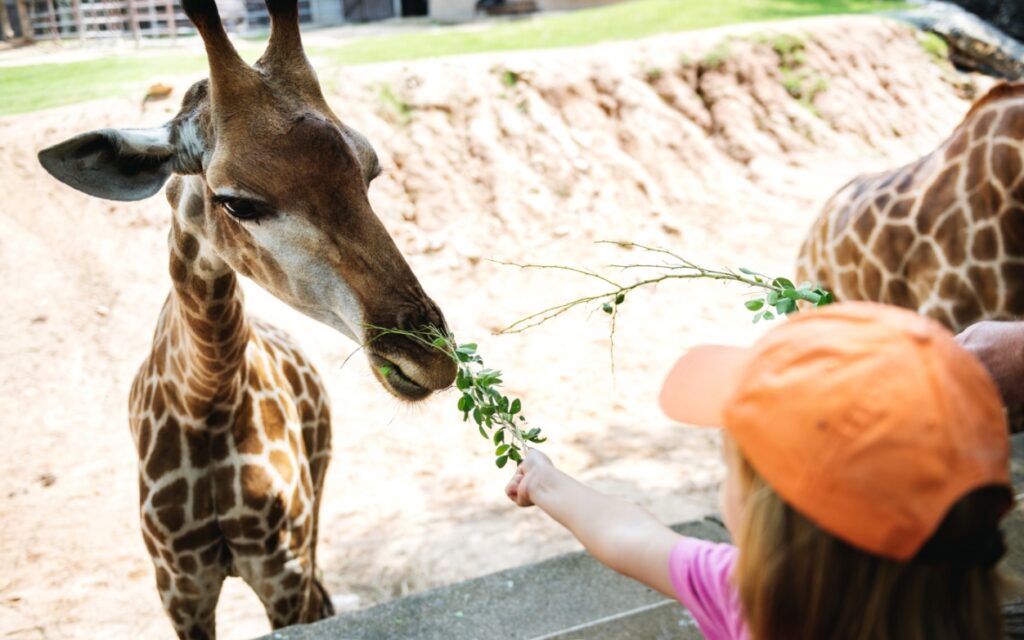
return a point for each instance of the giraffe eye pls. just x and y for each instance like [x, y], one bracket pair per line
[239, 208]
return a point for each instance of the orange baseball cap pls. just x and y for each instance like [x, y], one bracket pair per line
[868, 419]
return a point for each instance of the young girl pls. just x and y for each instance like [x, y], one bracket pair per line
[867, 464]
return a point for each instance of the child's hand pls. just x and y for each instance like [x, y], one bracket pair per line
[528, 475]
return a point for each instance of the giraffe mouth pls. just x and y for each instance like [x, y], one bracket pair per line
[396, 381]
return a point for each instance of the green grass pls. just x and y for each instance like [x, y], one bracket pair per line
[40, 86]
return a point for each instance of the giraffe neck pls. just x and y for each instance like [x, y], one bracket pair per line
[207, 329]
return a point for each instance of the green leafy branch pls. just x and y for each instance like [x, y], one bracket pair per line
[498, 418]
[774, 296]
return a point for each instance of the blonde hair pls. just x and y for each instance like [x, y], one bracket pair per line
[797, 582]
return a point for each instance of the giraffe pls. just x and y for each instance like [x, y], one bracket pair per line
[230, 421]
[943, 235]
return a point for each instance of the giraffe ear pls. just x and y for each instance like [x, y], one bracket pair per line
[115, 164]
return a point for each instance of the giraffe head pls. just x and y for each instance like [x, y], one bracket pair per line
[275, 187]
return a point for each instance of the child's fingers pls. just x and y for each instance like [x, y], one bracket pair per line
[512, 490]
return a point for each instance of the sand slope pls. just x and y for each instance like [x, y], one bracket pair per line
[678, 140]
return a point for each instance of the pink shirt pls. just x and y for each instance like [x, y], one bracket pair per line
[701, 576]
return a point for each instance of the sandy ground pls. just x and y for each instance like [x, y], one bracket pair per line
[644, 141]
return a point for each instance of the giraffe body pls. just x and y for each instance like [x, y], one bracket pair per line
[232, 427]
[943, 235]
[231, 423]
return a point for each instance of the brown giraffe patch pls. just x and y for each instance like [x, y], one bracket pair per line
[892, 244]
[937, 198]
[202, 498]
[957, 145]
[188, 563]
[985, 203]
[199, 537]
[977, 164]
[871, 281]
[986, 244]
[174, 493]
[952, 235]
[1011, 124]
[865, 224]
[172, 518]
[273, 418]
[901, 208]
[1006, 164]
[145, 432]
[848, 253]
[898, 293]
[224, 488]
[1013, 235]
[256, 485]
[166, 454]
[1013, 279]
[984, 123]
[985, 283]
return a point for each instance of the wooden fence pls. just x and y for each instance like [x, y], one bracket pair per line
[97, 19]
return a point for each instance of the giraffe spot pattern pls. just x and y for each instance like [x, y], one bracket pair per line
[944, 234]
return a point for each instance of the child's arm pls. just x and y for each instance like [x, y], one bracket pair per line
[619, 534]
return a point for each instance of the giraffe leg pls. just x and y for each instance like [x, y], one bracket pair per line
[190, 600]
[287, 587]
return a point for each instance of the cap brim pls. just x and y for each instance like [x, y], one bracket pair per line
[701, 383]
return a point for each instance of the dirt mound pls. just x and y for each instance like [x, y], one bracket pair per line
[719, 144]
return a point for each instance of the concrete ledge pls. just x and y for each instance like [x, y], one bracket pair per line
[573, 597]
[570, 596]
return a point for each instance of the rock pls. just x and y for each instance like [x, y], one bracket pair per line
[974, 44]
[1007, 16]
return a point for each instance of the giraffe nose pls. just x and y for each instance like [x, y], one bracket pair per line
[426, 314]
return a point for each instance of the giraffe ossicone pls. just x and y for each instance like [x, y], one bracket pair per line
[231, 422]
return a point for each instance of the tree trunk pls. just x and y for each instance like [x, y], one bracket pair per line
[25, 20]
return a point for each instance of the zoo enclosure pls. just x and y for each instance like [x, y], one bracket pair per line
[99, 19]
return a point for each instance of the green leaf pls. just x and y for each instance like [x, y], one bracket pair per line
[754, 305]
[501, 461]
[501, 450]
[785, 307]
[499, 436]
[515, 455]
[483, 433]
[773, 298]
[606, 307]
[768, 315]
[477, 416]
[516, 407]
[747, 271]
[783, 283]
[440, 342]
[758, 316]
[462, 380]
[466, 402]
[792, 294]
[385, 371]
[619, 299]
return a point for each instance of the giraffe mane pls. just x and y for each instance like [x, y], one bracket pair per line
[998, 92]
